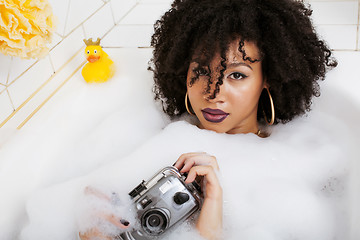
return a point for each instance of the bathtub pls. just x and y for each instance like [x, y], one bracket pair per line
[36, 141]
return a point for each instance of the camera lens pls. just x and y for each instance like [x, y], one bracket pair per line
[155, 221]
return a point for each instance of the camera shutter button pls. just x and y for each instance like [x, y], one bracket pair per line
[181, 198]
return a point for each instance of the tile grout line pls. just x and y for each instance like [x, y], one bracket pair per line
[50, 96]
[38, 90]
[127, 13]
[81, 24]
[75, 28]
[46, 82]
[112, 12]
[337, 24]
[344, 50]
[357, 35]
[11, 101]
[61, 85]
[84, 32]
[8, 85]
[8, 75]
[67, 16]
[112, 28]
[135, 25]
[51, 63]
[59, 34]
[103, 36]
[127, 47]
[63, 38]
[116, 24]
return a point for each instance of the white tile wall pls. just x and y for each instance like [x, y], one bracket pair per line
[79, 11]
[157, 1]
[145, 13]
[56, 39]
[67, 48]
[2, 88]
[358, 39]
[60, 10]
[23, 87]
[42, 96]
[5, 106]
[345, 77]
[4, 68]
[344, 12]
[100, 23]
[120, 8]
[337, 22]
[128, 23]
[129, 36]
[18, 67]
[342, 37]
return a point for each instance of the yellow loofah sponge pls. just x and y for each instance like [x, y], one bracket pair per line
[26, 27]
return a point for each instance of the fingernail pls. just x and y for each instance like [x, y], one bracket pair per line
[124, 222]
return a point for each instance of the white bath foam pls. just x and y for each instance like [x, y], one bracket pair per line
[76, 132]
[97, 208]
[274, 188]
[90, 130]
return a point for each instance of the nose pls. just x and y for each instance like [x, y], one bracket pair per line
[218, 90]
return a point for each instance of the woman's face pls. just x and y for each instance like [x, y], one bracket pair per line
[234, 110]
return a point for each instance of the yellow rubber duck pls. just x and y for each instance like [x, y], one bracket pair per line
[100, 67]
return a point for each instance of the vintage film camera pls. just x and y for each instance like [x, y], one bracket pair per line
[162, 202]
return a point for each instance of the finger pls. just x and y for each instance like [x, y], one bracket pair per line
[199, 160]
[118, 222]
[93, 234]
[206, 171]
[189, 163]
[92, 191]
[212, 189]
[180, 162]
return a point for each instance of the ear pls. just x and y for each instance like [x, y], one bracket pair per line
[265, 83]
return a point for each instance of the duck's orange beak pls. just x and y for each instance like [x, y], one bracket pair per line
[92, 58]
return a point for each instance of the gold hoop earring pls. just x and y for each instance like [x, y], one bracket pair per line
[272, 110]
[186, 104]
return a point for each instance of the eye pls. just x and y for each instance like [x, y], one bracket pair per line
[95, 51]
[201, 72]
[237, 76]
[88, 52]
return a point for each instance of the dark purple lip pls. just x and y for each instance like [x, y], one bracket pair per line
[214, 111]
[214, 115]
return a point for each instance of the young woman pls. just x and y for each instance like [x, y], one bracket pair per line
[236, 66]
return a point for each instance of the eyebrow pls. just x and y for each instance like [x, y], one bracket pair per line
[239, 64]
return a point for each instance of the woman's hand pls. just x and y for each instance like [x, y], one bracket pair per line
[95, 233]
[209, 222]
[92, 234]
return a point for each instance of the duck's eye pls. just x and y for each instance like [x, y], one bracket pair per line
[95, 51]
[88, 52]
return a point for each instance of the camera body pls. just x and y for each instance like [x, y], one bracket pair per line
[162, 202]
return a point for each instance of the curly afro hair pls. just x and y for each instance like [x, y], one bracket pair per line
[293, 57]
